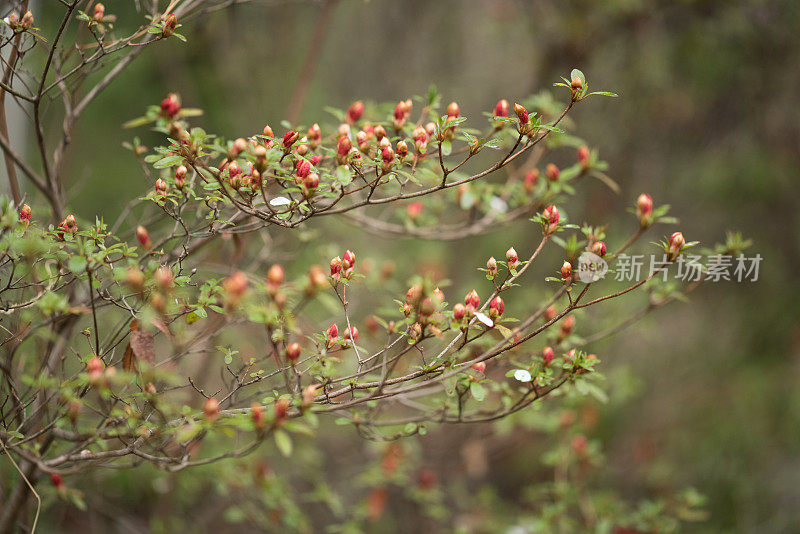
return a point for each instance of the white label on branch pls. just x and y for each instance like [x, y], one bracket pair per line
[522, 375]
[485, 320]
[280, 201]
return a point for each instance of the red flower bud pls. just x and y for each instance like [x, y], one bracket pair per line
[501, 109]
[576, 83]
[479, 366]
[170, 106]
[351, 333]
[676, 244]
[143, 237]
[311, 182]
[531, 179]
[27, 20]
[343, 146]
[336, 266]
[99, 12]
[257, 414]
[355, 111]
[164, 278]
[550, 313]
[387, 154]
[552, 172]
[281, 410]
[211, 409]
[25, 214]
[57, 481]
[303, 168]
[170, 23]
[547, 356]
[348, 259]
[522, 114]
[583, 156]
[438, 294]
[599, 248]
[289, 138]
[267, 131]
[293, 351]
[644, 209]
[496, 307]
[472, 300]
[579, 443]
[459, 312]
[332, 333]
[161, 187]
[566, 326]
[235, 286]
[413, 209]
[314, 135]
[413, 295]
[551, 217]
[566, 271]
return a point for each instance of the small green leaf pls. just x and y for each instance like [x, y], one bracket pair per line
[284, 442]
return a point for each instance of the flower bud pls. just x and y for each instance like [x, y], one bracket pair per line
[332, 333]
[164, 278]
[413, 210]
[161, 187]
[143, 237]
[239, 146]
[522, 114]
[351, 334]
[95, 368]
[501, 108]
[644, 210]
[576, 84]
[511, 257]
[530, 180]
[402, 149]
[180, 176]
[292, 352]
[257, 414]
[551, 217]
[281, 411]
[355, 111]
[479, 366]
[311, 182]
[676, 244]
[211, 409]
[552, 172]
[25, 215]
[275, 275]
[599, 248]
[438, 295]
[267, 131]
[235, 286]
[314, 135]
[170, 23]
[135, 279]
[309, 394]
[459, 312]
[303, 168]
[69, 225]
[414, 295]
[491, 266]
[472, 300]
[348, 260]
[57, 481]
[547, 356]
[336, 266]
[496, 307]
[27, 20]
[566, 327]
[453, 111]
[99, 12]
[289, 138]
[583, 156]
[550, 313]
[343, 147]
[415, 331]
[566, 271]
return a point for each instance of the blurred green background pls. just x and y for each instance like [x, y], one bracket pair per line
[707, 121]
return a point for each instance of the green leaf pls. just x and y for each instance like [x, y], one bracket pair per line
[577, 74]
[284, 442]
[169, 161]
[478, 391]
[77, 264]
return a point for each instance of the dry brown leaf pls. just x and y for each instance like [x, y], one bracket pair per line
[143, 346]
[129, 360]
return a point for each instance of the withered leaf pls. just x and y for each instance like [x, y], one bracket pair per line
[143, 346]
[128, 360]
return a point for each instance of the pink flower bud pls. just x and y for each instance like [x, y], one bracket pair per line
[479, 366]
[311, 182]
[583, 156]
[355, 111]
[453, 111]
[170, 106]
[501, 108]
[315, 159]
[566, 326]
[211, 409]
[644, 209]
[267, 131]
[550, 313]
[275, 275]
[27, 20]
[143, 237]
[522, 114]
[235, 286]
[402, 149]
[161, 187]
[336, 266]
[491, 266]
[676, 244]
[552, 172]
[387, 154]
[547, 356]
[413, 295]
[95, 368]
[99, 12]
[496, 307]
[438, 294]
[343, 146]
[164, 278]
[332, 333]
[257, 414]
[292, 352]
[351, 334]
[576, 84]
[170, 23]
[566, 271]
[599, 248]
[314, 135]
[530, 180]
[511, 257]
[413, 209]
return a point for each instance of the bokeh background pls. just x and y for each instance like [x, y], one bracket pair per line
[707, 121]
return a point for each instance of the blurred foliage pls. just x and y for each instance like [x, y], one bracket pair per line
[706, 122]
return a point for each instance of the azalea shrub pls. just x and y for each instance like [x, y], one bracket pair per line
[209, 331]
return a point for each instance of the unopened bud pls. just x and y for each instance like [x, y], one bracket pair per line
[530, 180]
[332, 333]
[644, 210]
[472, 300]
[293, 352]
[170, 23]
[25, 215]
[289, 138]
[511, 257]
[552, 172]
[496, 307]
[599, 248]
[522, 114]
[211, 409]
[355, 111]
[566, 271]
[491, 266]
[459, 312]
[143, 237]
[547, 356]
[303, 168]
[551, 218]
[164, 278]
[257, 414]
[583, 156]
[453, 111]
[161, 187]
[501, 108]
